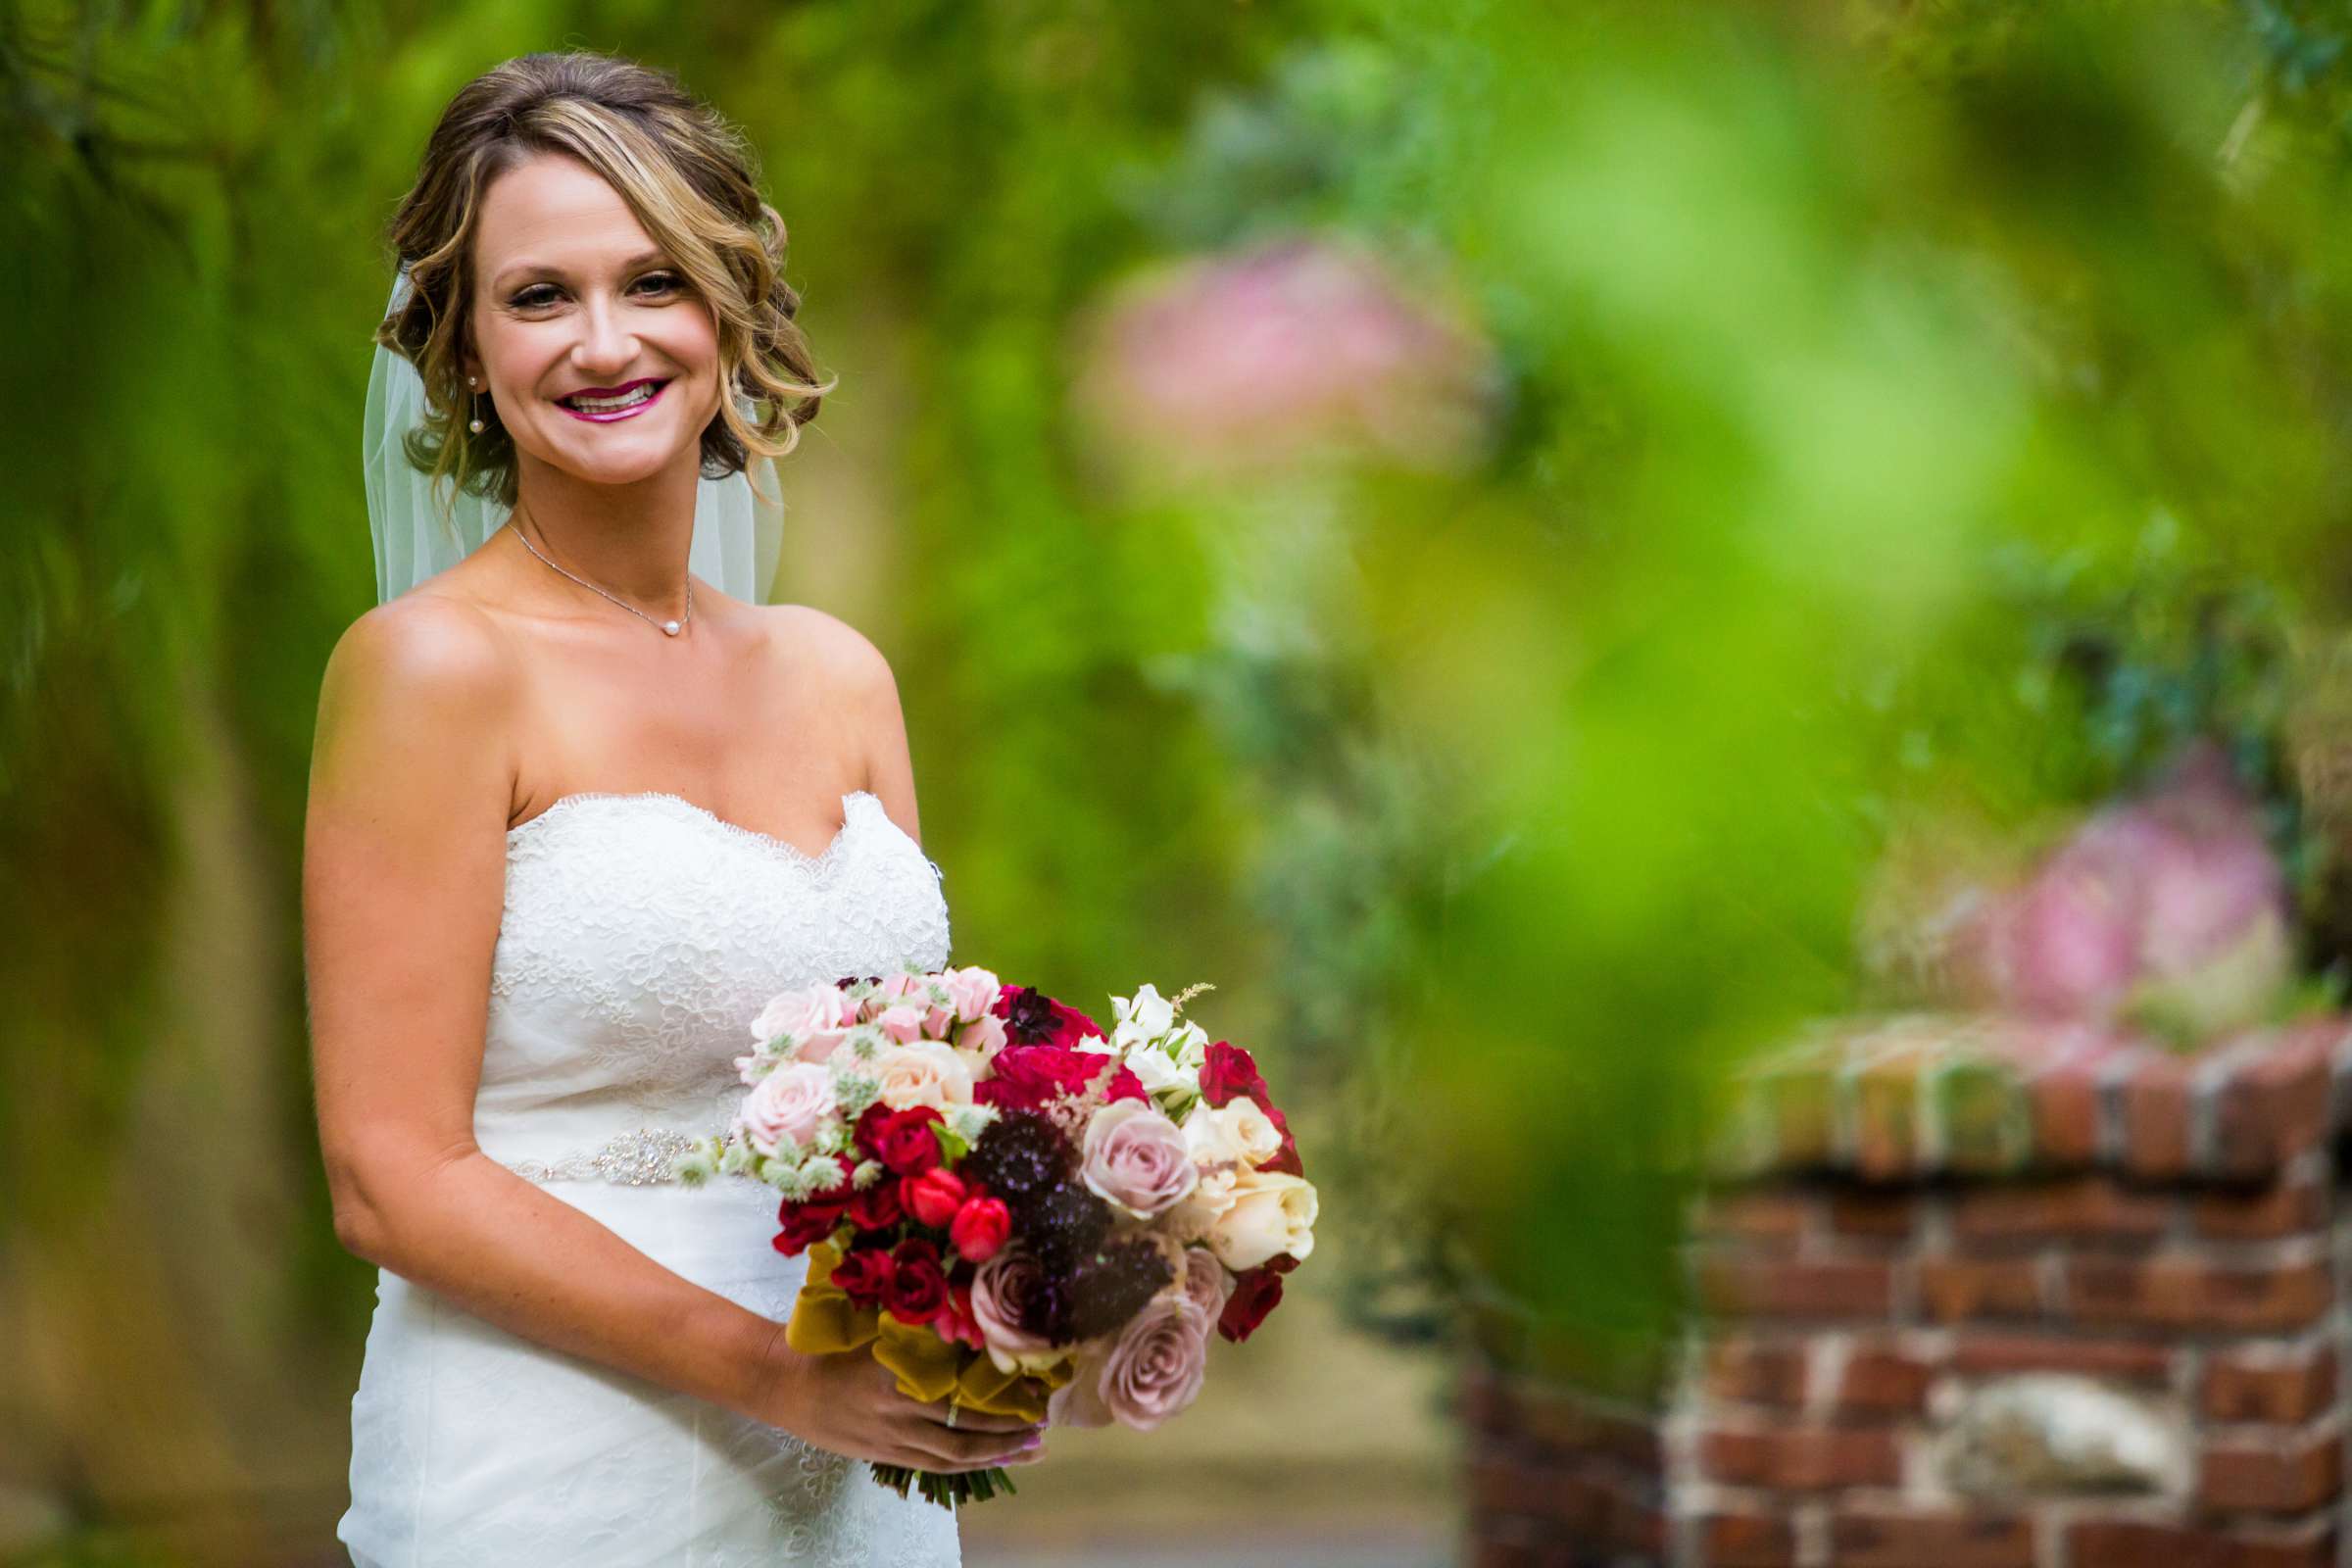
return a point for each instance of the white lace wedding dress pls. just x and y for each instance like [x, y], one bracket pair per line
[640, 936]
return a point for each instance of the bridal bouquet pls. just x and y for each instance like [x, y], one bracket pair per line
[1008, 1209]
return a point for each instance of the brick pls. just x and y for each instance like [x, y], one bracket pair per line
[2131, 1543]
[1561, 1420]
[1957, 1290]
[1754, 1371]
[1859, 1212]
[1768, 1219]
[2156, 1115]
[2289, 1473]
[1983, 1355]
[1883, 1378]
[2275, 1104]
[1506, 1484]
[1746, 1540]
[2064, 1092]
[1809, 1288]
[2079, 1207]
[2296, 1207]
[1860, 1538]
[1794, 1458]
[2192, 1293]
[2248, 1386]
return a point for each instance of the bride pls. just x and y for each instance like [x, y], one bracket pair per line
[571, 820]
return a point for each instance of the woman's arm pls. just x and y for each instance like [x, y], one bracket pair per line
[404, 872]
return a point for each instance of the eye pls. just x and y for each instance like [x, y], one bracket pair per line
[670, 282]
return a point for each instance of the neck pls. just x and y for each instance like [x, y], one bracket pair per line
[630, 539]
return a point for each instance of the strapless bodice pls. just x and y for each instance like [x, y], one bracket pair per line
[641, 934]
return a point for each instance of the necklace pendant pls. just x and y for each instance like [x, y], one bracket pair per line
[670, 626]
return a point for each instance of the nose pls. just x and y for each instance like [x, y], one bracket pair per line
[605, 346]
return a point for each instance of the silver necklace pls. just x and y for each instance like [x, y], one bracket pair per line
[672, 627]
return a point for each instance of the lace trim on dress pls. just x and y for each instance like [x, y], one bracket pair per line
[783, 848]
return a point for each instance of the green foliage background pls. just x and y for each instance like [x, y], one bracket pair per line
[1505, 804]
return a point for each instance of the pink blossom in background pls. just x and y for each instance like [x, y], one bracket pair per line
[1257, 358]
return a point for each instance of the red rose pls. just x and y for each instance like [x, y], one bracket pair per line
[934, 1197]
[807, 1224]
[980, 1227]
[1229, 1070]
[1286, 1158]
[1255, 1293]
[918, 1286]
[904, 1140]
[1125, 1085]
[877, 1208]
[869, 1128]
[1025, 1077]
[865, 1275]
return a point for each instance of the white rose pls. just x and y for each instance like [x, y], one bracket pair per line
[923, 1074]
[1159, 1075]
[1270, 1213]
[1249, 1129]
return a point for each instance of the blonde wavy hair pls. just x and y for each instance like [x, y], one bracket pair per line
[691, 177]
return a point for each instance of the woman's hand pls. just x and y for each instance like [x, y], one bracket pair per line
[850, 1403]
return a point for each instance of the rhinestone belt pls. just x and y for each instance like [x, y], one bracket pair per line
[642, 1158]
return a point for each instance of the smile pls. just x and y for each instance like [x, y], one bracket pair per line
[621, 403]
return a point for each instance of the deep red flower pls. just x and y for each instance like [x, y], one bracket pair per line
[877, 1208]
[865, 1275]
[806, 1224]
[1026, 1077]
[1229, 1070]
[1255, 1293]
[918, 1286]
[1033, 1018]
[934, 1197]
[904, 1140]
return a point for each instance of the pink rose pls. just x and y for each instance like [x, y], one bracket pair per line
[982, 1037]
[973, 992]
[1002, 1289]
[1205, 1281]
[903, 1021]
[1136, 1159]
[786, 1107]
[1153, 1372]
[813, 1018]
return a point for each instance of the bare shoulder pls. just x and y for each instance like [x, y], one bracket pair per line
[408, 685]
[435, 646]
[848, 656]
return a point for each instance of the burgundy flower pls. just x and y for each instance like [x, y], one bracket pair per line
[877, 1208]
[918, 1286]
[904, 1140]
[1230, 1071]
[865, 1275]
[1033, 1018]
[1255, 1293]
[807, 1224]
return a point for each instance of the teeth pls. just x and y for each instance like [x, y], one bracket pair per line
[608, 405]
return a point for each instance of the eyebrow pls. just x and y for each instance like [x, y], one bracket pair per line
[516, 272]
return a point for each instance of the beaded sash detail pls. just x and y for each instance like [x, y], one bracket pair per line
[640, 1159]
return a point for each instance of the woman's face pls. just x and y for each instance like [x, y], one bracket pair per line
[572, 296]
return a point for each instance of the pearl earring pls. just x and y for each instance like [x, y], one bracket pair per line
[475, 423]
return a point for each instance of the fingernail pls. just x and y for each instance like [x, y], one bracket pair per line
[1035, 1440]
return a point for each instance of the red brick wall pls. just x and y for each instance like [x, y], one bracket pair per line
[1913, 1211]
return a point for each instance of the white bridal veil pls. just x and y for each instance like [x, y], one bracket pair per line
[737, 535]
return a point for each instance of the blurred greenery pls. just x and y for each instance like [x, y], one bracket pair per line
[1791, 394]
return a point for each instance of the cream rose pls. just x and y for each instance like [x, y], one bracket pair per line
[1237, 1132]
[1270, 1212]
[925, 1073]
[785, 1108]
[1135, 1159]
